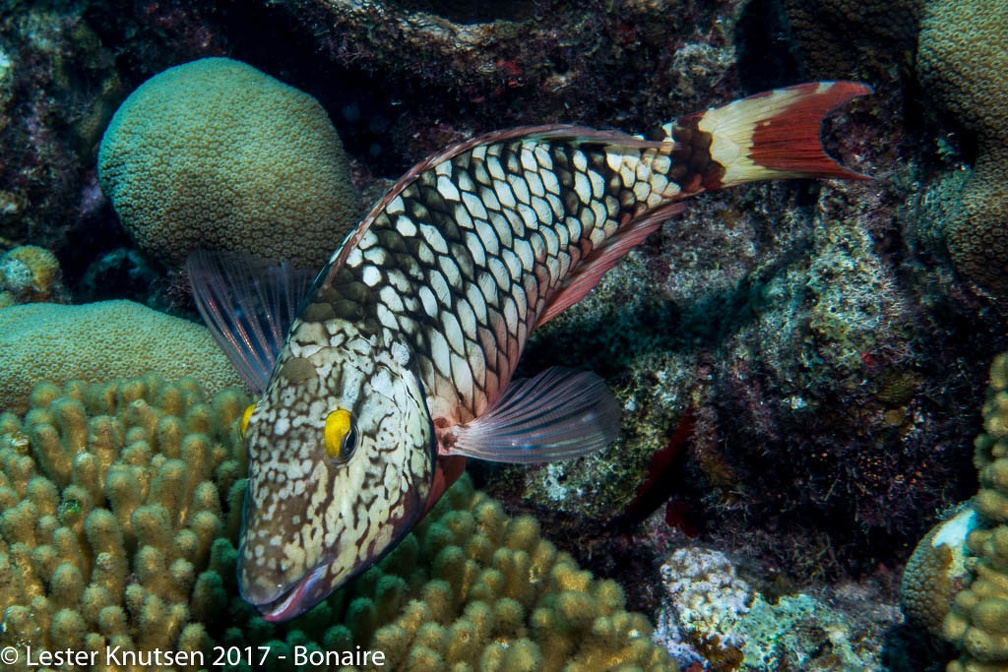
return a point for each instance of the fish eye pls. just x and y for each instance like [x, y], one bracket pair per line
[340, 434]
[245, 418]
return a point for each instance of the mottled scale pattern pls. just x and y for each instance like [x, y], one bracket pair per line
[300, 511]
[418, 320]
[440, 286]
[460, 264]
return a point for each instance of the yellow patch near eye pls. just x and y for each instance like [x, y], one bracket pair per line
[245, 418]
[337, 425]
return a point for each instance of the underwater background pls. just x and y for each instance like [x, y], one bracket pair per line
[806, 368]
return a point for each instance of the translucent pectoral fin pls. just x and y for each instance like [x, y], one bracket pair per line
[556, 415]
[249, 305]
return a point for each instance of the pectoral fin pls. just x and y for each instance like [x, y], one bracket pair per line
[556, 415]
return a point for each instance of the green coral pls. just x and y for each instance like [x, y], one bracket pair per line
[98, 342]
[214, 154]
[962, 61]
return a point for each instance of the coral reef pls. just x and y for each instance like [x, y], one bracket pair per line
[112, 495]
[936, 571]
[101, 341]
[977, 623]
[959, 57]
[479, 66]
[58, 88]
[816, 334]
[122, 505]
[713, 614]
[842, 39]
[216, 155]
[30, 274]
[962, 61]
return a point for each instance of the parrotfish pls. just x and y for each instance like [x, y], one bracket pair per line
[398, 365]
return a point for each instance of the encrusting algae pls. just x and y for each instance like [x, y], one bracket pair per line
[122, 504]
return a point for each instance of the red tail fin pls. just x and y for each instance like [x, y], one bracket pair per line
[775, 134]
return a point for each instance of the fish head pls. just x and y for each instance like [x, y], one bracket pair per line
[341, 460]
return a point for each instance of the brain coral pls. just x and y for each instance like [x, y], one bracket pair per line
[112, 496]
[962, 61]
[214, 154]
[936, 571]
[101, 341]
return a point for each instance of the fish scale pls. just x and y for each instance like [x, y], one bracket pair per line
[398, 366]
[515, 247]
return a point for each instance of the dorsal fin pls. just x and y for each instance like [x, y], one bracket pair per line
[578, 134]
[249, 304]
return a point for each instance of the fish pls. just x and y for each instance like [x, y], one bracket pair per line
[381, 376]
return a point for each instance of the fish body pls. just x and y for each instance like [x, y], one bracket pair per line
[399, 364]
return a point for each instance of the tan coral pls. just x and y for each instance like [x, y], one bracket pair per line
[125, 537]
[30, 274]
[86, 567]
[215, 154]
[962, 61]
[936, 571]
[977, 623]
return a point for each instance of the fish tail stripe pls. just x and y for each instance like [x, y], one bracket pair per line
[770, 135]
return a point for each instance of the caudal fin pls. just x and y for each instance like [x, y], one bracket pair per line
[770, 135]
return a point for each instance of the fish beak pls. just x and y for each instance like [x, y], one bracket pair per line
[296, 600]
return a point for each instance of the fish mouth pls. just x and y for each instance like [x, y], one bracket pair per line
[304, 594]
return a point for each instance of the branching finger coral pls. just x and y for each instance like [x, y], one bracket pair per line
[468, 589]
[965, 560]
[112, 496]
[122, 504]
[978, 620]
